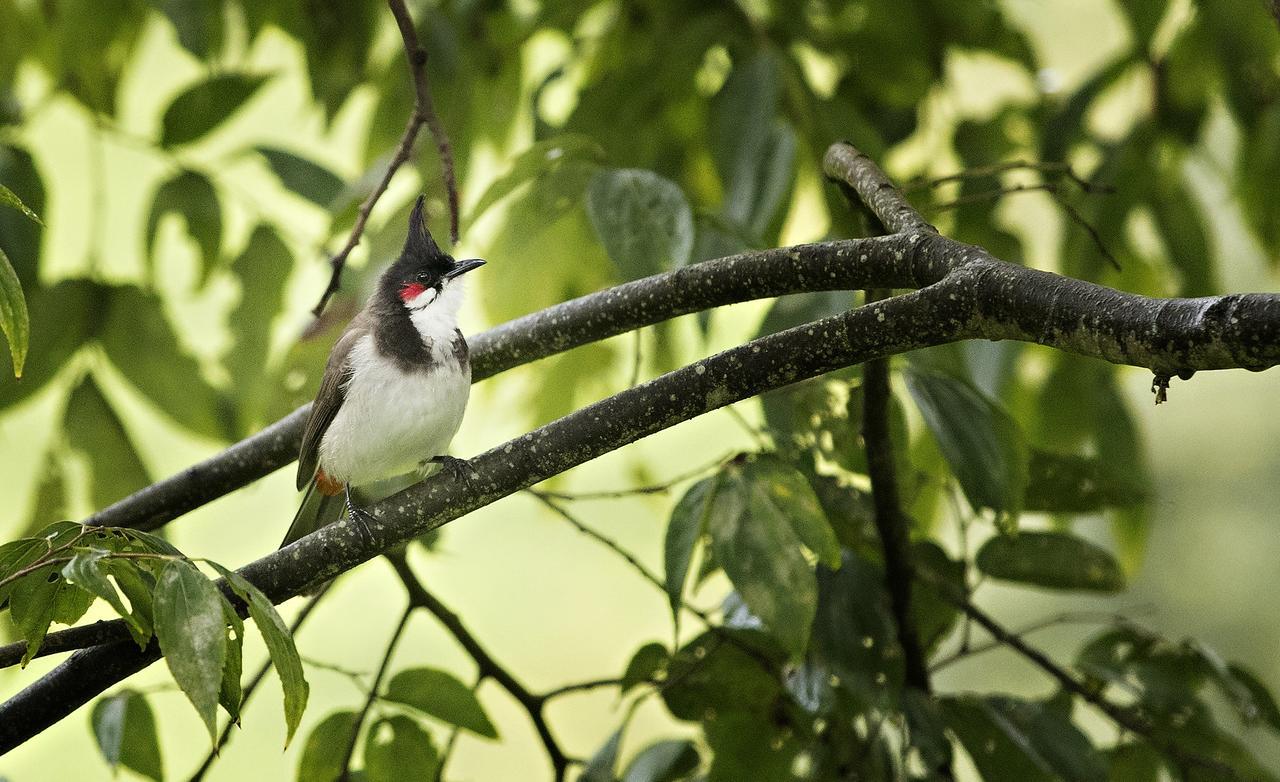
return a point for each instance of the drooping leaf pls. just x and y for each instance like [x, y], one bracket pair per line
[337, 40]
[745, 747]
[664, 761]
[263, 269]
[199, 25]
[87, 571]
[758, 518]
[1060, 483]
[32, 604]
[1133, 761]
[407, 753]
[642, 219]
[70, 603]
[326, 748]
[231, 693]
[163, 370]
[93, 428]
[190, 627]
[982, 444]
[14, 320]
[191, 196]
[1263, 703]
[440, 695]
[125, 730]
[139, 587]
[10, 199]
[20, 235]
[853, 631]
[305, 177]
[204, 106]
[687, 524]
[280, 645]
[1055, 560]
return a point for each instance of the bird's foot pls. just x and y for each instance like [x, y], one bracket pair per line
[458, 469]
[359, 516]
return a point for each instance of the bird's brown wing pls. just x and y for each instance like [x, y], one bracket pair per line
[328, 401]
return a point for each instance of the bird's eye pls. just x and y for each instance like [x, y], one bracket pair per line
[424, 277]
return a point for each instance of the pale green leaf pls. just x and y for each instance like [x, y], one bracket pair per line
[191, 628]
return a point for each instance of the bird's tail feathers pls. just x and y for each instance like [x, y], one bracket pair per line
[317, 510]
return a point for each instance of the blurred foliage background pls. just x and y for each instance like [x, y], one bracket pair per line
[193, 161]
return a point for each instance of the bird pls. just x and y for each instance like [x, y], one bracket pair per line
[394, 388]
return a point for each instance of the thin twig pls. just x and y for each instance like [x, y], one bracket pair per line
[252, 686]
[977, 172]
[354, 738]
[652, 488]
[636, 565]
[593, 684]
[486, 665]
[966, 650]
[423, 114]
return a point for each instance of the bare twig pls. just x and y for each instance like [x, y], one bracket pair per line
[424, 113]
[978, 172]
[616, 494]
[593, 684]
[354, 738]
[487, 666]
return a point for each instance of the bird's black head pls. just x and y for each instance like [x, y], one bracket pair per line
[422, 265]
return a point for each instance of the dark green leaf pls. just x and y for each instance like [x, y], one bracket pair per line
[758, 518]
[853, 631]
[51, 493]
[284, 654]
[643, 221]
[981, 443]
[665, 761]
[70, 603]
[14, 321]
[648, 664]
[1184, 233]
[1133, 762]
[230, 693]
[927, 729]
[192, 196]
[202, 107]
[1258, 180]
[687, 524]
[1144, 16]
[337, 39]
[733, 671]
[32, 603]
[140, 341]
[397, 749]
[1263, 704]
[326, 748]
[19, 236]
[1024, 740]
[308, 179]
[94, 429]
[87, 571]
[139, 586]
[126, 732]
[440, 695]
[533, 163]
[601, 767]
[9, 198]
[191, 630]
[263, 269]
[1055, 560]
[935, 614]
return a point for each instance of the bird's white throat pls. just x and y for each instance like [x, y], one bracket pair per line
[435, 315]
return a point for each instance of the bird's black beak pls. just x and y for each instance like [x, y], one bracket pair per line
[462, 267]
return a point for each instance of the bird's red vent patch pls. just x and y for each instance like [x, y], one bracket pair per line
[410, 290]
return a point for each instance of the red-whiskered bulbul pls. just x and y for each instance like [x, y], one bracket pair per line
[395, 386]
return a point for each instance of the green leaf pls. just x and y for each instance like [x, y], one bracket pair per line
[935, 614]
[440, 695]
[139, 586]
[126, 732]
[205, 105]
[1133, 762]
[745, 748]
[665, 761]
[86, 570]
[982, 444]
[1263, 704]
[94, 429]
[397, 749]
[687, 524]
[192, 196]
[759, 516]
[14, 320]
[853, 631]
[642, 219]
[602, 764]
[728, 671]
[230, 693]
[337, 40]
[8, 198]
[141, 342]
[191, 629]
[307, 178]
[648, 664]
[199, 25]
[1055, 560]
[263, 269]
[32, 603]
[1183, 231]
[1024, 740]
[280, 645]
[20, 236]
[326, 748]
[70, 603]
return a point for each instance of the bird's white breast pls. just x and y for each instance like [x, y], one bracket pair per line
[390, 420]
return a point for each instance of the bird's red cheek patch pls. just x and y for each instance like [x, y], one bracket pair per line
[410, 290]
